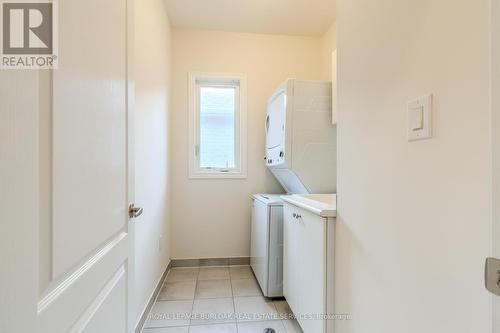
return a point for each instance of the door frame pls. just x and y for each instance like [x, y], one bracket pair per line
[130, 161]
[495, 148]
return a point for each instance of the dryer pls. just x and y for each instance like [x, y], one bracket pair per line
[300, 138]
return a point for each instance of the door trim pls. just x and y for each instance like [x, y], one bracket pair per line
[495, 149]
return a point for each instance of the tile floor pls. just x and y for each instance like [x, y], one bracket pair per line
[216, 300]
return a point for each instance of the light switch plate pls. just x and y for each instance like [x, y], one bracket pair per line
[416, 118]
[492, 275]
[420, 111]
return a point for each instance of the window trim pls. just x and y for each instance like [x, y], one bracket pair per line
[221, 79]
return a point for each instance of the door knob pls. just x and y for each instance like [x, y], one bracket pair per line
[492, 275]
[134, 212]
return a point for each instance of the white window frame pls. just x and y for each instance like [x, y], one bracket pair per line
[217, 79]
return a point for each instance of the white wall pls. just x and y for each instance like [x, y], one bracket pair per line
[211, 218]
[152, 107]
[414, 218]
[329, 44]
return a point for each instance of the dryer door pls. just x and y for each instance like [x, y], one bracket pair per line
[275, 128]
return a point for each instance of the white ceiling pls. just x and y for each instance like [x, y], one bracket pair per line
[288, 17]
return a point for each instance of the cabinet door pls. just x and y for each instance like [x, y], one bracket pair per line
[290, 259]
[313, 271]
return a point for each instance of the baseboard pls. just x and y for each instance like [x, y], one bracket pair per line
[232, 261]
[152, 300]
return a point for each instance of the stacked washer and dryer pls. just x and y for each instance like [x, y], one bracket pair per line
[301, 150]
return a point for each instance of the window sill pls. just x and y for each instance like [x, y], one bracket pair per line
[217, 175]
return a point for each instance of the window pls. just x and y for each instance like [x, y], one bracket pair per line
[217, 128]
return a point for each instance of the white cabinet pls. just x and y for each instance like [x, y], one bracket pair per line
[291, 267]
[308, 267]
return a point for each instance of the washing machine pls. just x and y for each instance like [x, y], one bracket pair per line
[266, 258]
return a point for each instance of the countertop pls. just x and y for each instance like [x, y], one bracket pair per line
[324, 205]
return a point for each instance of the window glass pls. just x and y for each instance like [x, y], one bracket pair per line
[217, 127]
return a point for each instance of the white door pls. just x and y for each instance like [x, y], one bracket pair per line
[313, 251]
[275, 127]
[275, 120]
[64, 239]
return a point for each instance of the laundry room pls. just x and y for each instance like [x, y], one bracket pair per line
[249, 166]
[253, 119]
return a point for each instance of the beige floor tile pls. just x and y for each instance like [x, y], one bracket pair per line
[183, 329]
[182, 274]
[255, 308]
[260, 326]
[213, 289]
[246, 287]
[213, 311]
[282, 306]
[284, 309]
[214, 273]
[241, 272]
[169, 313]
[175, 291]
[292, 326]
[215, 328]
